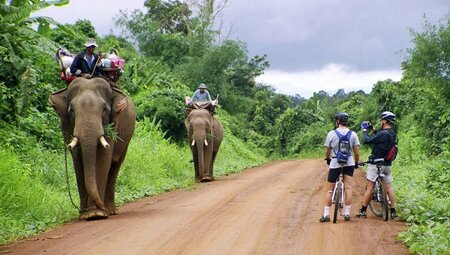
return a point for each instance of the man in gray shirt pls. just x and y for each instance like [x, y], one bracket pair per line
[331, 151]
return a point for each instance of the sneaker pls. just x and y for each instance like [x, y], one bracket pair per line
[361, 214]
[325, 219]
[393, 215]
[347, 217]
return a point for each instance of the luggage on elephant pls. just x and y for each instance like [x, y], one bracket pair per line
[64, 58]
[112, 66]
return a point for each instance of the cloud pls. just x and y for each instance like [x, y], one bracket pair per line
[330, 78]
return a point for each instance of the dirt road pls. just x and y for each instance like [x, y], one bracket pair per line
[272, 209]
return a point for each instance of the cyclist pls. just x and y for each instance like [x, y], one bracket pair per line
[331, 149]
[380, 142]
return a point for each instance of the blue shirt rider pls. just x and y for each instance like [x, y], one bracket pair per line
[201, 95]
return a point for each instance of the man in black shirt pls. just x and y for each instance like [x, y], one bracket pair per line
[381, 142]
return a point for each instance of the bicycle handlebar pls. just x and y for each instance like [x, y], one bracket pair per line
[377, 161]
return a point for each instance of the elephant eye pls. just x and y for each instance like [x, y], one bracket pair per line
[70, 110]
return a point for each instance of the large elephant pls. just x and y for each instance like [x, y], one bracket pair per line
[85, 108]
[205, 133]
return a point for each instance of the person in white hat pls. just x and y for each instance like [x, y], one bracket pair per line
[85, 63]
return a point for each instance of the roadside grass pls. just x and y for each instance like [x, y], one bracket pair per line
[423, 189]
[28, 204]
[34, 185]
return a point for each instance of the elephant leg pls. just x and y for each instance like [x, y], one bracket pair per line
[207, 177]
[213, 159]
[78, 166]
[111, 187]
[103, 166]
[208, 161]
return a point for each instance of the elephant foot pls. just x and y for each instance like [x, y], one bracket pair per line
[206, 179]
[114, 211]
[95, 214]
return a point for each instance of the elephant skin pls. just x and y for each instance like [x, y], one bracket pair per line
[85, 107]
[205, 134]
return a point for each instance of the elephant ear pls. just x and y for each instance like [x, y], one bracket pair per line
[58, 101]
[119, 104]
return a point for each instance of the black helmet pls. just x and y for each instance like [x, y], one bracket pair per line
[342, 117]
[389, 116]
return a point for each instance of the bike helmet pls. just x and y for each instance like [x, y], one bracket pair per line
[342, 117]
[389, 116]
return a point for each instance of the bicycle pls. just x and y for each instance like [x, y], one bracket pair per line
[379, 203]
[338, 195]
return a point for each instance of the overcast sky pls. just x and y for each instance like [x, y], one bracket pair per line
[311, 45]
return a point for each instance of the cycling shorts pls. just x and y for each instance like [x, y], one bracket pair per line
[371, 173]
[333, 173]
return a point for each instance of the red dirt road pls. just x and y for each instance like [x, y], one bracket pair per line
[271, 209]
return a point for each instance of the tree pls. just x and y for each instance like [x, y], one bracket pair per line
[20, 47]
[427, 77]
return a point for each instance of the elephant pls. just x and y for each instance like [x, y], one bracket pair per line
[205, 134]
[85, 108]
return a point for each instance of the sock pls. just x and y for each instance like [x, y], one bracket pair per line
[393, 210]
[347, 209]
[326, 211]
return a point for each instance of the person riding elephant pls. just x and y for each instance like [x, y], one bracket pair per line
[205, 134]
[86, 108]
[85, 63]
[201, 99]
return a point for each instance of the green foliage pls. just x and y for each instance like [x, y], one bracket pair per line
[426, 74]
[438, 178]
[428, 239]
[168, 107]
[25, 200]
[422, 196]
[86, 28]
[292, 123]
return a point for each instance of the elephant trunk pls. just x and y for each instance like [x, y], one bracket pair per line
[89, 152]
[201, 156]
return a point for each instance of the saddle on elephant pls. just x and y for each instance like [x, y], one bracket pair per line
[210, 106]
[109, 66]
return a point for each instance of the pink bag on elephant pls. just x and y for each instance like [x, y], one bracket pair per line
[116, 60]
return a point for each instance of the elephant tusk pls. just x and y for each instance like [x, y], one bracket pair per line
[193, 143]
[104, 142]
[73, 143]
[206, 142]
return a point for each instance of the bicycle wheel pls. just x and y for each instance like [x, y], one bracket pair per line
[337, 197]
[384, 202]
[375, 204]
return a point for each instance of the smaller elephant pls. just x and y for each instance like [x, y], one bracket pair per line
[205, 134]
[86, 108]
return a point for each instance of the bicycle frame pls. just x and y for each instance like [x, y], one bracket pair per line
[379, 202]
[338, 196]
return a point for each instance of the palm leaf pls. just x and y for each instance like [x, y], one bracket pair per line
[28, 80]
[6, 9]
[24, 11]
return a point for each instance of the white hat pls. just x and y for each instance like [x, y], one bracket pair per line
[90, 42]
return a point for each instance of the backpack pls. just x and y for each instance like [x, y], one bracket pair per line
[393, 149]
[344, 150]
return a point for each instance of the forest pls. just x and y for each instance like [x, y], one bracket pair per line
[170, 47]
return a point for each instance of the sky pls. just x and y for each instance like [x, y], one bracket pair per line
[311, 45]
